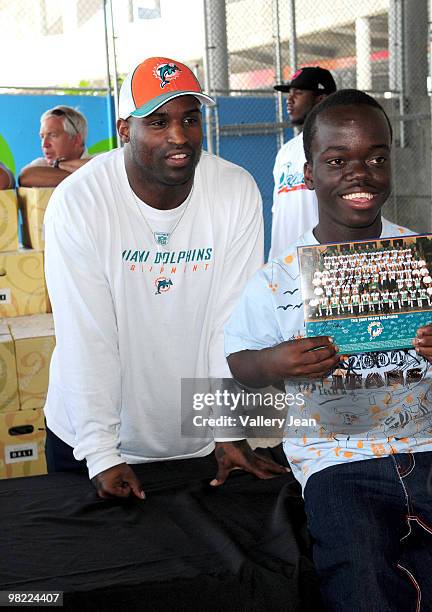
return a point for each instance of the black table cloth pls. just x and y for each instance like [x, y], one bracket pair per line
[188, 546]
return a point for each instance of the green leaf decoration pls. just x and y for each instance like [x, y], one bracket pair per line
[6, 155]
[107, 144]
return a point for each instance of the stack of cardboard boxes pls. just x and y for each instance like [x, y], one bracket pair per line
[26, 334]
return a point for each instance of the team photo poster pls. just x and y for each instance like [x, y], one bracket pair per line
[368, 295]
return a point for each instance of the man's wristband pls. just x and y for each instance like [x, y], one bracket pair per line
[56, 163]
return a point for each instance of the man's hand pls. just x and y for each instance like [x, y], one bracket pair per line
[118, 481]
[423, 342]
[235, 455]
[70, 165]
[304, 358]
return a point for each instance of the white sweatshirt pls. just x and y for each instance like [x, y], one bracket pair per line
[295, 207]
[133, 318]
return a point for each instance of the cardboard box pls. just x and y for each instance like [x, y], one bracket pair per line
[33, 202]
[8, 220]
[22, 283]
[22, 443]
[34, 341]
[9, 400]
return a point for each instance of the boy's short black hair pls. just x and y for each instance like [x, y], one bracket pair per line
[343, 97]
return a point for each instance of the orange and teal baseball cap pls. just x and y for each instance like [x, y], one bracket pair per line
[153, 83]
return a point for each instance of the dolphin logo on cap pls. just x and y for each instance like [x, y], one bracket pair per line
[164, 71]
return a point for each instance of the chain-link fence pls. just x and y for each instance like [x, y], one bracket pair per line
[240, 49]
[379, 46]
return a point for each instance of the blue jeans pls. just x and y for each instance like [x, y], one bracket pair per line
[59, 455]
[371, 522]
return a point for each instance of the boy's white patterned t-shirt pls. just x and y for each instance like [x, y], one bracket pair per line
[372, 404]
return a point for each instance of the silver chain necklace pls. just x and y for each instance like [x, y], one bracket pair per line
[163, 238]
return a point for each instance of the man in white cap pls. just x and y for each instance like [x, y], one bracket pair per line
[147, 249]
[295, 208]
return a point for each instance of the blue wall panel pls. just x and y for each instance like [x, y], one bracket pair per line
[256, 153]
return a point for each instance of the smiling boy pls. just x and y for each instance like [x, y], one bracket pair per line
[364, 468]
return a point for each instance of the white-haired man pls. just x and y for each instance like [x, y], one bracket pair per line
[63, 133]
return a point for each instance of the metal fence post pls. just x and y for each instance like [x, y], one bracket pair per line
[110, 109]
[207, 80]
[278, 66]
[292, 35]
[114, 64]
